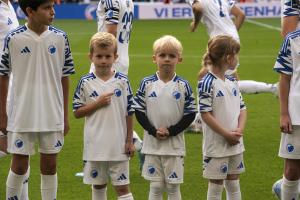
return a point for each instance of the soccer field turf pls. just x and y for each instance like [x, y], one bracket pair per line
[260, 45]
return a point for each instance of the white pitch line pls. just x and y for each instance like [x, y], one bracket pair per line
[263, 25]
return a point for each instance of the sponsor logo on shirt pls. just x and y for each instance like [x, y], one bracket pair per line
[176, 95]
[51, 49]
[220, 94]
[9, 21]
[153, 94]
[94, 94]
[25, 50]
[118, 92]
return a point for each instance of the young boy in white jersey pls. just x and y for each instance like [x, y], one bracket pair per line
[224, 116]
[289, 22]
[216, 17]
[39, 58]
[8, 22]
[165, 107]
[105, 97]
[287, 64]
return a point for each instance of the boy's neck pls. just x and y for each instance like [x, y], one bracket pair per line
[166, 77]
[37, 28]
[105, 74]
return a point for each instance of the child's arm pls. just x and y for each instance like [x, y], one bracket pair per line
[239, 16]
[65, 88]
[129, 147]
[242, 121]
[197, 11]
[3, 96]
[232, 137]
[145, 123]
[284, 89]
[185, 121]
[88, 109]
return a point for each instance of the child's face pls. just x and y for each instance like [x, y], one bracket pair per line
[103, 58]
[44, 14]
[166, 60]
[233, 61]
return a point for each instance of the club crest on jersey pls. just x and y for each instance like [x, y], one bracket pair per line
[234, 92]
[94, 173]
[19, 143]
[224, 168]
[51, 49]
[290, 148]
[176, 95]
[118, 92]
[151, 170]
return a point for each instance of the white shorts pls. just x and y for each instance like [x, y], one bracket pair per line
[218, 168]
[163, 168]
[24, 143]
[290, 144]
[98, 172]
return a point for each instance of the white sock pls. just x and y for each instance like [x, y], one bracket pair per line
[14, 185]
[253, 87]
[137, 142]
[214, 191]
[233, 191]
[99, 194]
[24, 193]
[173, 191]
[126, 197]
[156, 190]
[289, 189]
[49, 187]
[2, 154]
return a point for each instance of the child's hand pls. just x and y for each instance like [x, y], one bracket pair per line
[286, 124]
[233, 137]
[162, 133]
[129, 149]
[193, 26]
[104, 99]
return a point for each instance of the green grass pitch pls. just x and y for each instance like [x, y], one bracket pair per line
[259, 50]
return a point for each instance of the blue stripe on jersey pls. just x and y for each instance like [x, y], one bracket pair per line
[206, 83]
[109, 3]
[230, 77]
[78, 89]
[290, 9]
[146, 80]
[4, 65]
[10, 34]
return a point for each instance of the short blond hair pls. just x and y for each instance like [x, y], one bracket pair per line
[103, 40]
[167, 42]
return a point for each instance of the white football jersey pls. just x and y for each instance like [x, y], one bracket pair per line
[223, 99]
[288, 62]
[38, 63]
[8, 22]
[216, 18]
[164, 105]
[290, 8]
[105, 130]
[118, 12]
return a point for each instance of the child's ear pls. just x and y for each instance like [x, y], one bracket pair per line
[229, 58]
[179, 59]
[154, 58]
[90, 55]
[116, 56]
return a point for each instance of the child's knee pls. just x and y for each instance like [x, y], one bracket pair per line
[99, 187]
[157, 187]
[172, 188]
[291, 169]
[122, 190]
